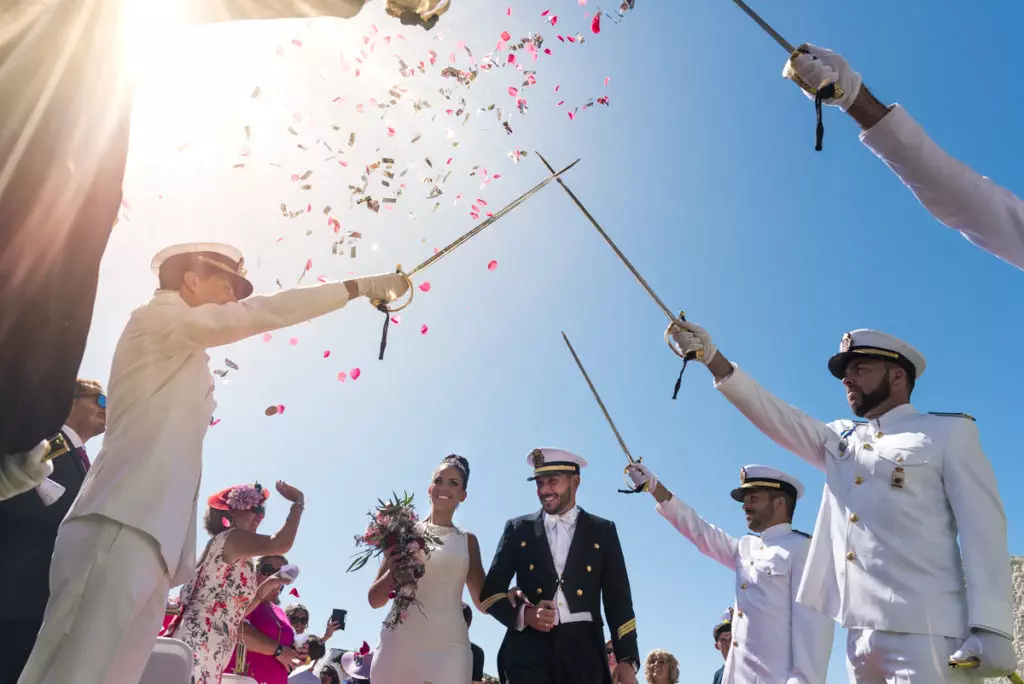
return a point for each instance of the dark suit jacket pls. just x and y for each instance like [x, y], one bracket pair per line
[28, 530]
[718, 675]
[594, 569]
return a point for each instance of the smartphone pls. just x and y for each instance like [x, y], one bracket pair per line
[338, 615]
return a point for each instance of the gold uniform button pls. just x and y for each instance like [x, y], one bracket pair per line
[579, 592]
[899, 459]
[589, 569]
[858, 480]
[743, 586]
[561, 605]
[740, 613]
[850, 555]
[735, 643]
[597, 546]
[879, 435]
[868, 447]
[539, 590]
[531, 567]
[854, 518]
[523, 544]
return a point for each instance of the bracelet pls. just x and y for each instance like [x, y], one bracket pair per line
[301, 504]
[279, 651]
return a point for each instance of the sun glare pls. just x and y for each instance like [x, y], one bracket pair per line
[151, 27]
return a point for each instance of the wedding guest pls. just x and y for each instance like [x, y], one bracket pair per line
[307, 674]
[224, 587]
[723, 642]
[661, 667]
[298, 616]
[268, 637]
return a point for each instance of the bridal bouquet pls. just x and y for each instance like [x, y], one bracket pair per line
[395, 531]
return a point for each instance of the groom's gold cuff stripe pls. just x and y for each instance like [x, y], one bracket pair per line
[491, 600]
[627, 628]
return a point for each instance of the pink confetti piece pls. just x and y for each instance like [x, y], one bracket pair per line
[500, 46]
[560, 103]
[327, 352]
[425, 286]
[547, 51]
[280, 51]
[492, 265]
[481, 202]
[296, 42]
[397, 320]
[449, 160]
[511, 58]
[214, 422]
[595, 25]
[506, 36]
[293, 341]
[561, 38]
[280, 408]
[423, 330]
[545, 13]
[474, 215]
[391, 132]
[554, 19]
[572, 116]
[266, 337]
[355, 373]
[583, 3]
[607, 80]
[322, 279]
[309, 264]
[513, 91]
[342, 377]
[509, 12]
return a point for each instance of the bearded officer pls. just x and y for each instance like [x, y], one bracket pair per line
[884, 561]
[988, 215]
[566, 561]
[774, 638]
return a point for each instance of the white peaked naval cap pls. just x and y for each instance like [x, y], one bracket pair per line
[549, 461]
[876, 345]
[762, 477]
[218, 255]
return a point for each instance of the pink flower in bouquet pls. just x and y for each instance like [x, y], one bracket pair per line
[382, 518]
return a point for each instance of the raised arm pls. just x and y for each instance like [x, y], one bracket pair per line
[210, 11]
[244, 544]
[812, 632]
[988, 215]
[493, 597]
[970, 485]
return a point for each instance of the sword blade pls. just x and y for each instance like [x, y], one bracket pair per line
[764, 25]
[597, 397]
[490, 219]
[611, 243]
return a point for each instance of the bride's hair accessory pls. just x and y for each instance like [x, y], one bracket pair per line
[460, 463]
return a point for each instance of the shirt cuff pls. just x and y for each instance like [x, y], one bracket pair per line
[894, 132]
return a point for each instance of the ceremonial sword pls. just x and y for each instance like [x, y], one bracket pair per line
[825, 93]
[607, 416]
[686, 356]
[385, 307]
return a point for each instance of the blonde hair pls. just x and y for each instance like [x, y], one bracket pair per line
[85, 388]
[673, 665]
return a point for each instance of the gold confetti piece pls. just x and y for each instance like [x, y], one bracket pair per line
[248, 132]
[352, 254]
[387, 160]
[415, 138]
[305, 187]
[429, 163]
[292, 131]
[270, 410]
[238, 166]
[256, 92]
[389, 200]
[351, 139]
[182, 147]
[327, 210]
[306, 175]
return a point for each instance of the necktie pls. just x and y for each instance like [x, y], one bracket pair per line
[83, 457]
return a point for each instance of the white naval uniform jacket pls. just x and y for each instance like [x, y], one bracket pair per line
[988, 215]
[898, 490]
[775, 639]
[160, 404]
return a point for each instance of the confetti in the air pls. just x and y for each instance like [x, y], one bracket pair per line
[342, 376]
[423, 330]
[493, 265]
[355, 373]
[294, 592]
[425, 286]
[595, 25]
[266, 337]
[327, 352]
[230, 364]
[271, 410]
[293, 341]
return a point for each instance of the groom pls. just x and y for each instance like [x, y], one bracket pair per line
[564, 559]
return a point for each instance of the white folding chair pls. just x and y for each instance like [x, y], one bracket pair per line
[170, 663]
[236, 679]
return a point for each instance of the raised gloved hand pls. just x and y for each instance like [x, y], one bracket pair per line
[22, 471]
[385, 288]
[688, 337]
[812, 68]
[643, 479]
[993, 653]
[423, 12]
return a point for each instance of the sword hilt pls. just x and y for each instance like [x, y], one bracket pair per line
[387, 307]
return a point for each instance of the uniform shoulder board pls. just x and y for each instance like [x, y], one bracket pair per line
[801, 533]
[952, 415]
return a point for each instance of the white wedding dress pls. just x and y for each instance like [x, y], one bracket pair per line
[432, 646]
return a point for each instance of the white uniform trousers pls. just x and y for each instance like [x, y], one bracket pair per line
[876, 657]
[108, 593]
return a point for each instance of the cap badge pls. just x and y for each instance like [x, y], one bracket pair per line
[846, 343]
[743, 475]
[241, 268]
[538, 458]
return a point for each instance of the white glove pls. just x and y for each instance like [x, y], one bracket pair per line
[22, 471]
[424, 9]
[994, 654]
[689, 337]
[643, 479]
[387, 287]
[812, 67]
[289, 573]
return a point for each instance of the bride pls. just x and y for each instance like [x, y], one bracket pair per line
[432, 643]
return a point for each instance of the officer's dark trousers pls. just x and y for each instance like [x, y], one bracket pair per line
[17, 637]
[568, 654]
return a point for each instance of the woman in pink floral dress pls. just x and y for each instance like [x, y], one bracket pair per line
[224, 588]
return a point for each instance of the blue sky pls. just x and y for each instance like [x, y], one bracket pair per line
[702, 169]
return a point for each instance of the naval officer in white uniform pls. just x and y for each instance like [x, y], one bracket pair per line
[884, 561]
[988, 215]
[131, 533]
[775, 640]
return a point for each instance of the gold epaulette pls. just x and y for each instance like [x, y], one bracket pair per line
[491, 600]
[627, 628]
[58, 446]
[953, 415]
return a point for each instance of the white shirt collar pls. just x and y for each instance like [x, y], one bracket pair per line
[76, 441]
[569, 517]
[892, 414]
[776, 531]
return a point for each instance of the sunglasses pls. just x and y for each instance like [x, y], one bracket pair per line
[267, 569]
[258, 510]
[301, 619]
[101, 399]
